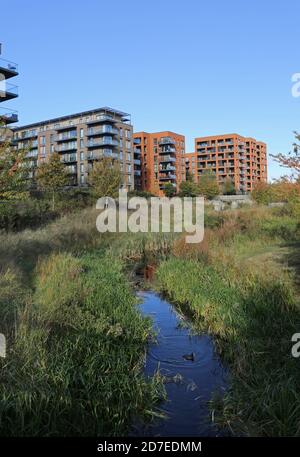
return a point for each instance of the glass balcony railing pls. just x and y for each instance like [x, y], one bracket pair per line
[102, 130]
[7, 91]
[8, 116]
[66, 136]
[167, 140]
[168, 159]
[8, 69]
[66, 147]
[102, 142]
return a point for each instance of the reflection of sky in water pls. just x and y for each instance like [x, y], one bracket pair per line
[186, 404]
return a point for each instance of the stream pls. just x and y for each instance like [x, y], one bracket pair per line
[193, 370]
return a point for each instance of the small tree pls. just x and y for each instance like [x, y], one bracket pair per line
[52, 176]
[188, 189]
[169, 190]
[106, 178]
[207, 185]
[228, 187]
[13, 172]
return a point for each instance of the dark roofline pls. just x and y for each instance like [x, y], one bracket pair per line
[72, 116]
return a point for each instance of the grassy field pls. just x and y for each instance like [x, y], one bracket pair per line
[76, 340]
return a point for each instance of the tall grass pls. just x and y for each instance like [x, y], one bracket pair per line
[75, 365]
[253, 315]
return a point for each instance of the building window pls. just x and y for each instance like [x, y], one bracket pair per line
[81, 143]
[81, 179]
[81, 155]
[42, 140]
[81, 133]
[127, 133]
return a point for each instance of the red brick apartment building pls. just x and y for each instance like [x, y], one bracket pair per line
[242, 159]
[159, 159]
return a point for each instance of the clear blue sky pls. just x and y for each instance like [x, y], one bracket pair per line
[195, 67]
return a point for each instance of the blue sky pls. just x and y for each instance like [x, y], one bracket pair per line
[195, 67]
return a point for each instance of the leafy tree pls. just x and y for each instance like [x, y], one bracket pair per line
[52, 176]
[228, 187]
[13, 172]
[169, 190]
[106, 178]
[207, 185]
[188, 189]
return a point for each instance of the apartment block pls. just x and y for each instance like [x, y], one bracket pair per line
[80, 140]
[241, 159]
[161, 158]
[8, 91]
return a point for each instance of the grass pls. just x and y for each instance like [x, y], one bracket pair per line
[252, 309]
[76, 340]
[75, 365]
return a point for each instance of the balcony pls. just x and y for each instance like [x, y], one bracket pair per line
[102, 130]
[66, 147]
[101, 119]
[8, 69]
[96, 155]
[72, 170]
[166, 140]
[65, 127]
[168, 177]
[7, 91]
[167, 159]
[28, 134]
[102, 142]
[167, 150]
[70, 159]
[66, 136]
[167, 169]
[32, 154]
[8, 116]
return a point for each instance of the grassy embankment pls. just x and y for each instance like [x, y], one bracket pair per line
[76, 340]
[239, 284]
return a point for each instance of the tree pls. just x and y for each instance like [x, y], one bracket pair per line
[188, 189]
[292, 159]
[13, 172]
[169, 190]
[207, 185]
[228, 187]
[52, 176]
[106, 178]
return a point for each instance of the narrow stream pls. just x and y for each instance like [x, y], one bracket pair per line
[191, 366]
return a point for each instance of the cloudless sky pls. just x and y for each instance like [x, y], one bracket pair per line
[195, 67]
